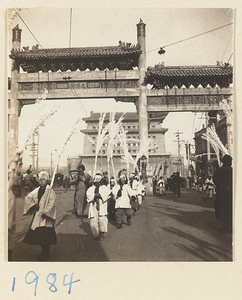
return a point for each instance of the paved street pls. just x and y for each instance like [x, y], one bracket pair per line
[164, 229]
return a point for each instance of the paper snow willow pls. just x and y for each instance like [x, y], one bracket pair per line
[213, 139]
[113, 138]
[211, 134]
[101, 137]
[69, 133]
[42, 112]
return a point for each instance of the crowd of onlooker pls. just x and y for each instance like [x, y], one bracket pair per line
[175, 183]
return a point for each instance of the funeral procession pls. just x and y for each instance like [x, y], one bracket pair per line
[120, 135]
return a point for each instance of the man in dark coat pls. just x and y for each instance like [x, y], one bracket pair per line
[222, 179]
[177, 184]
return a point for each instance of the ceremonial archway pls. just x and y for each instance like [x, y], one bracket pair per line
[117, 72]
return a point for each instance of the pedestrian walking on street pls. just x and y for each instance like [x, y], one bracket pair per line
[111, 201]
[222, 179]
[200, 184]
[140, 191]
[188, 183]
[154, 184]
[29, 182]
[134, 184]
[161, 185]
[97, 196]
[41, 203]
[209, 188]
[177, 184]
[123, 195]
[66, 184]
[17, 185]
[82, 182]
[105, 179]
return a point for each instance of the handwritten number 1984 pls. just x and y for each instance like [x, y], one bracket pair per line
[32, 277]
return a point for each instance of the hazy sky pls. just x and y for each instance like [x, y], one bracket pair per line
[105, 27]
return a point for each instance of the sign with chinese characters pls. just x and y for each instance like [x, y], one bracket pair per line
[185, 100]
[104, 84]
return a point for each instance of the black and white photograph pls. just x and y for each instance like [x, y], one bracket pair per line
[120, 139]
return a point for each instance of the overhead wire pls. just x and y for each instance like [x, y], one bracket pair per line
[230, 57]
[227, 45]
[29, 30]
[186, 39]
[74, 92]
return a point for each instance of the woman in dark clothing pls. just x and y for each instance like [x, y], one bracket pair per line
[82, 181]
[222, 179]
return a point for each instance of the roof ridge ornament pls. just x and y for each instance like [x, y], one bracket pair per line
[35, 47]
[221, 64]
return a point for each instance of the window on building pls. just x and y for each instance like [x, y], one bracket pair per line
[103, 151]
[93, 151]
[134, 151]
[93, 127]
[118, 151]
[153, 126]
[134, 126]
[154, 137]
[128, 127]
[114, 151]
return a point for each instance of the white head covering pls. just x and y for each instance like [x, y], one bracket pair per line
[44, 175]
[97, 177]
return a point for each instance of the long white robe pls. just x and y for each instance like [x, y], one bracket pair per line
[46, 208]
[104, 191]
[124, 200]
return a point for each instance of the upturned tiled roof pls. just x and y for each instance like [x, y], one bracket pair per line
[160, 76]
[127, 116]
[181, 71]
[94, 117]
[124, 57]
[67, 53]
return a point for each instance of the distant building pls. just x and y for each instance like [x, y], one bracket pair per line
[130, 123]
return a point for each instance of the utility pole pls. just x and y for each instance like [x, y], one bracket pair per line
[34, 146]
[188, 156]
[208, 144]
[179, 148]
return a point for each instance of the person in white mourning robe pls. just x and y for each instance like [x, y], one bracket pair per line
[41, 203]
[97, 196]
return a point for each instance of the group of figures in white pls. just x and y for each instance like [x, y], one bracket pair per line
[98, 198]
